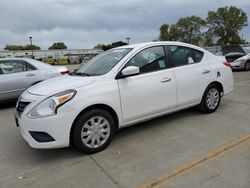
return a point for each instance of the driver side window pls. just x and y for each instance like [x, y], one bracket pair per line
[149, 60]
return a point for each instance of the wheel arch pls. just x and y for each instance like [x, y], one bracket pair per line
[219, 84]
[203, 107]
[95, 106]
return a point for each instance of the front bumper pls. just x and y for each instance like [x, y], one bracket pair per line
[57, 127]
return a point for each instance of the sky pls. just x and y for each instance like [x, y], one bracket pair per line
[86, 23]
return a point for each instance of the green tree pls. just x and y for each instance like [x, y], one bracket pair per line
[58, 45]
[164, 32]
[207, 39]
[189, 29]
[20, 47]
[225, 24]
[118, 43]
[31, 47]
[13, 47]
[173, 33]
[109, 46]
[99, 46]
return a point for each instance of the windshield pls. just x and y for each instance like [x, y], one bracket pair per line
[102, 63]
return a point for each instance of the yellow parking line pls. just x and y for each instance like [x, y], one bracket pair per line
[163, 180]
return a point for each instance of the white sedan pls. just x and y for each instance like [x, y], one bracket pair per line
[118, 88]
[17, 74]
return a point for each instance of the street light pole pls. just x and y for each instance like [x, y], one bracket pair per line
[31, 47]
[128, 39]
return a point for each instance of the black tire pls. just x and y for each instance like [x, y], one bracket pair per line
[79, 127]
[204, 106]
[247, 66]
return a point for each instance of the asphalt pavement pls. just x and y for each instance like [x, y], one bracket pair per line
[184, 149]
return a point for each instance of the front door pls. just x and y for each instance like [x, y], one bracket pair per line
[151, 92]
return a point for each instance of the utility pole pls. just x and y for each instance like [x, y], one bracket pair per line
[128, 39]
[31, 46]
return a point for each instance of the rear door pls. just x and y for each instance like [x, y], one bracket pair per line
[192, 74]
[15, 77]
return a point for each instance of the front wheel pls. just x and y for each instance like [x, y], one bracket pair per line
[211, 99]
[93, 131]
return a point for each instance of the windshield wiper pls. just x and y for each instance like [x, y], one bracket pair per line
[80, 73]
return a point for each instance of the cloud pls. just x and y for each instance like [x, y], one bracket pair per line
[79, 38]
[85, 23]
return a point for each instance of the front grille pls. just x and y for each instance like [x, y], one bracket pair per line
[21, 106]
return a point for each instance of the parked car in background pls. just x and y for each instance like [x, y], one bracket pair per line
[232, 56]
[242, 62]
[235, 56]
[17, 74]
[118, 88]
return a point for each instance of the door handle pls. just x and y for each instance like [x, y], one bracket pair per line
[30, 74]
[166, 80]
[205, 71]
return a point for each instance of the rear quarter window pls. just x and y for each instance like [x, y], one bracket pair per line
[198, 55]
[181, 55]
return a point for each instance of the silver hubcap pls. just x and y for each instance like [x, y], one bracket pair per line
[212, 98]
[95, 132]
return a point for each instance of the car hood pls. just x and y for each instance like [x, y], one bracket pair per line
[59, 84]
[232, 48]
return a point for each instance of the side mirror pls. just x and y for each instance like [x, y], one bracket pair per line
[130, 70]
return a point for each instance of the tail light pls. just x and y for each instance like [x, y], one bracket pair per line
[228, 64]
[64, 72]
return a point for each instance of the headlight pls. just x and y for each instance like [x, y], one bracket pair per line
[239, 60]
[49, 106]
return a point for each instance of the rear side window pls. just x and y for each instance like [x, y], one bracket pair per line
[184, 56]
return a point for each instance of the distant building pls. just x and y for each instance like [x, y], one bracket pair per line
[71, 54]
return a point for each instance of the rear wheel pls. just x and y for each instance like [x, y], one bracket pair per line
[93, 131]
[247, 66]
[211, 99]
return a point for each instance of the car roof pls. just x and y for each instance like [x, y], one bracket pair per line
[148, 44]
